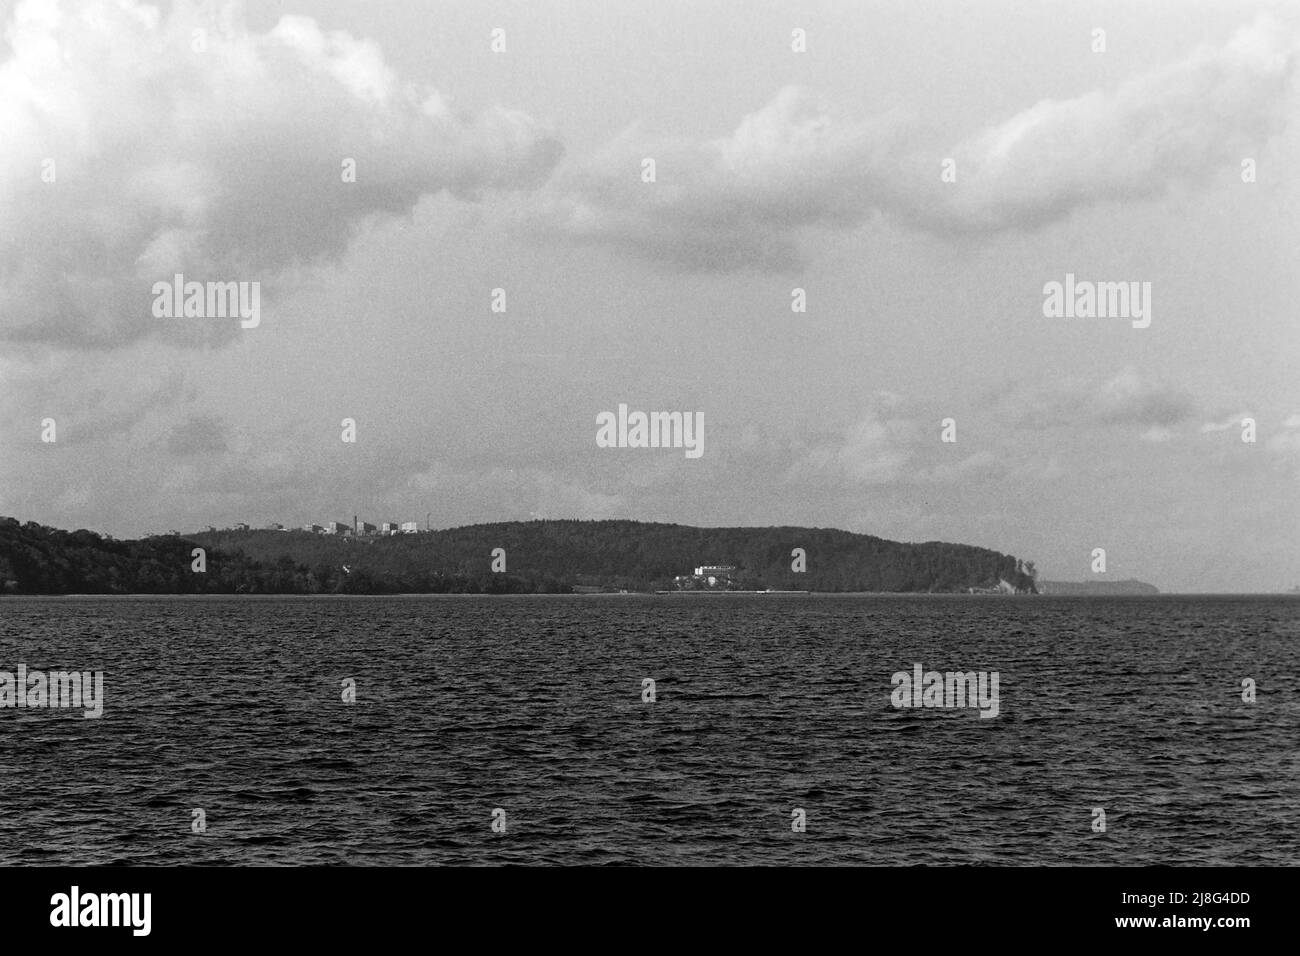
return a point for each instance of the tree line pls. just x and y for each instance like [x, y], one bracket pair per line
[546, 556]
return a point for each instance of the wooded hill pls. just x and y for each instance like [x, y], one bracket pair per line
[540, 556]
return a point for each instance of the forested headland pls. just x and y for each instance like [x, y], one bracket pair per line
[544, 556]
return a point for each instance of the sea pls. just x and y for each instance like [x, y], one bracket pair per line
[680, 729]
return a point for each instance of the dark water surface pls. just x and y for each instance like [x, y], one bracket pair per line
[764, 703]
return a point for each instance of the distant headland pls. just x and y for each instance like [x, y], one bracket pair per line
[514, 557]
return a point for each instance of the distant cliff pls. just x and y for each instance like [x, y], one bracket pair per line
[540, 556]
[1128, 586]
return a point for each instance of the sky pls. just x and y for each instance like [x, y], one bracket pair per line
[921, 171]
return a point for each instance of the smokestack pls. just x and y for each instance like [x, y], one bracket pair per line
[354, 524]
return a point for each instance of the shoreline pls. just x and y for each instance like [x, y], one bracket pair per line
[551, 594]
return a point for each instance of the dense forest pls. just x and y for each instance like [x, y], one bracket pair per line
[540, 557]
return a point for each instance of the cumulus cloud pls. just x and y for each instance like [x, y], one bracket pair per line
[180, 143]
[799, 162]
[737, 201]
[89, 403]
[1174, 124]
[1129, 399]
[873, 450]
[1126, 399]
[885, 446]
[1223, 424]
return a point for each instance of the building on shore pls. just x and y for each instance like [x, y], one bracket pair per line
[359, 528]
[715, 570]
[706, 578]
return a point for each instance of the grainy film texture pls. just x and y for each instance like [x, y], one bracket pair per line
[647, 433]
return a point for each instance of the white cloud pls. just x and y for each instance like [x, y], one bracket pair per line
[1129, 399]
[873, 450]
[886, 446]
[1126, 399]
[798, 162]
[223, 162]
[1178, 123]
[1223, 424]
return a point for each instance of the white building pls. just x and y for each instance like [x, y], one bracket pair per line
[410, 527]
[389, 527]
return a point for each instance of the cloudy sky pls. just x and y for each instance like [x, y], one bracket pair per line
[140, 141]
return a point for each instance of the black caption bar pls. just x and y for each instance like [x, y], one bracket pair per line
[144, 907]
